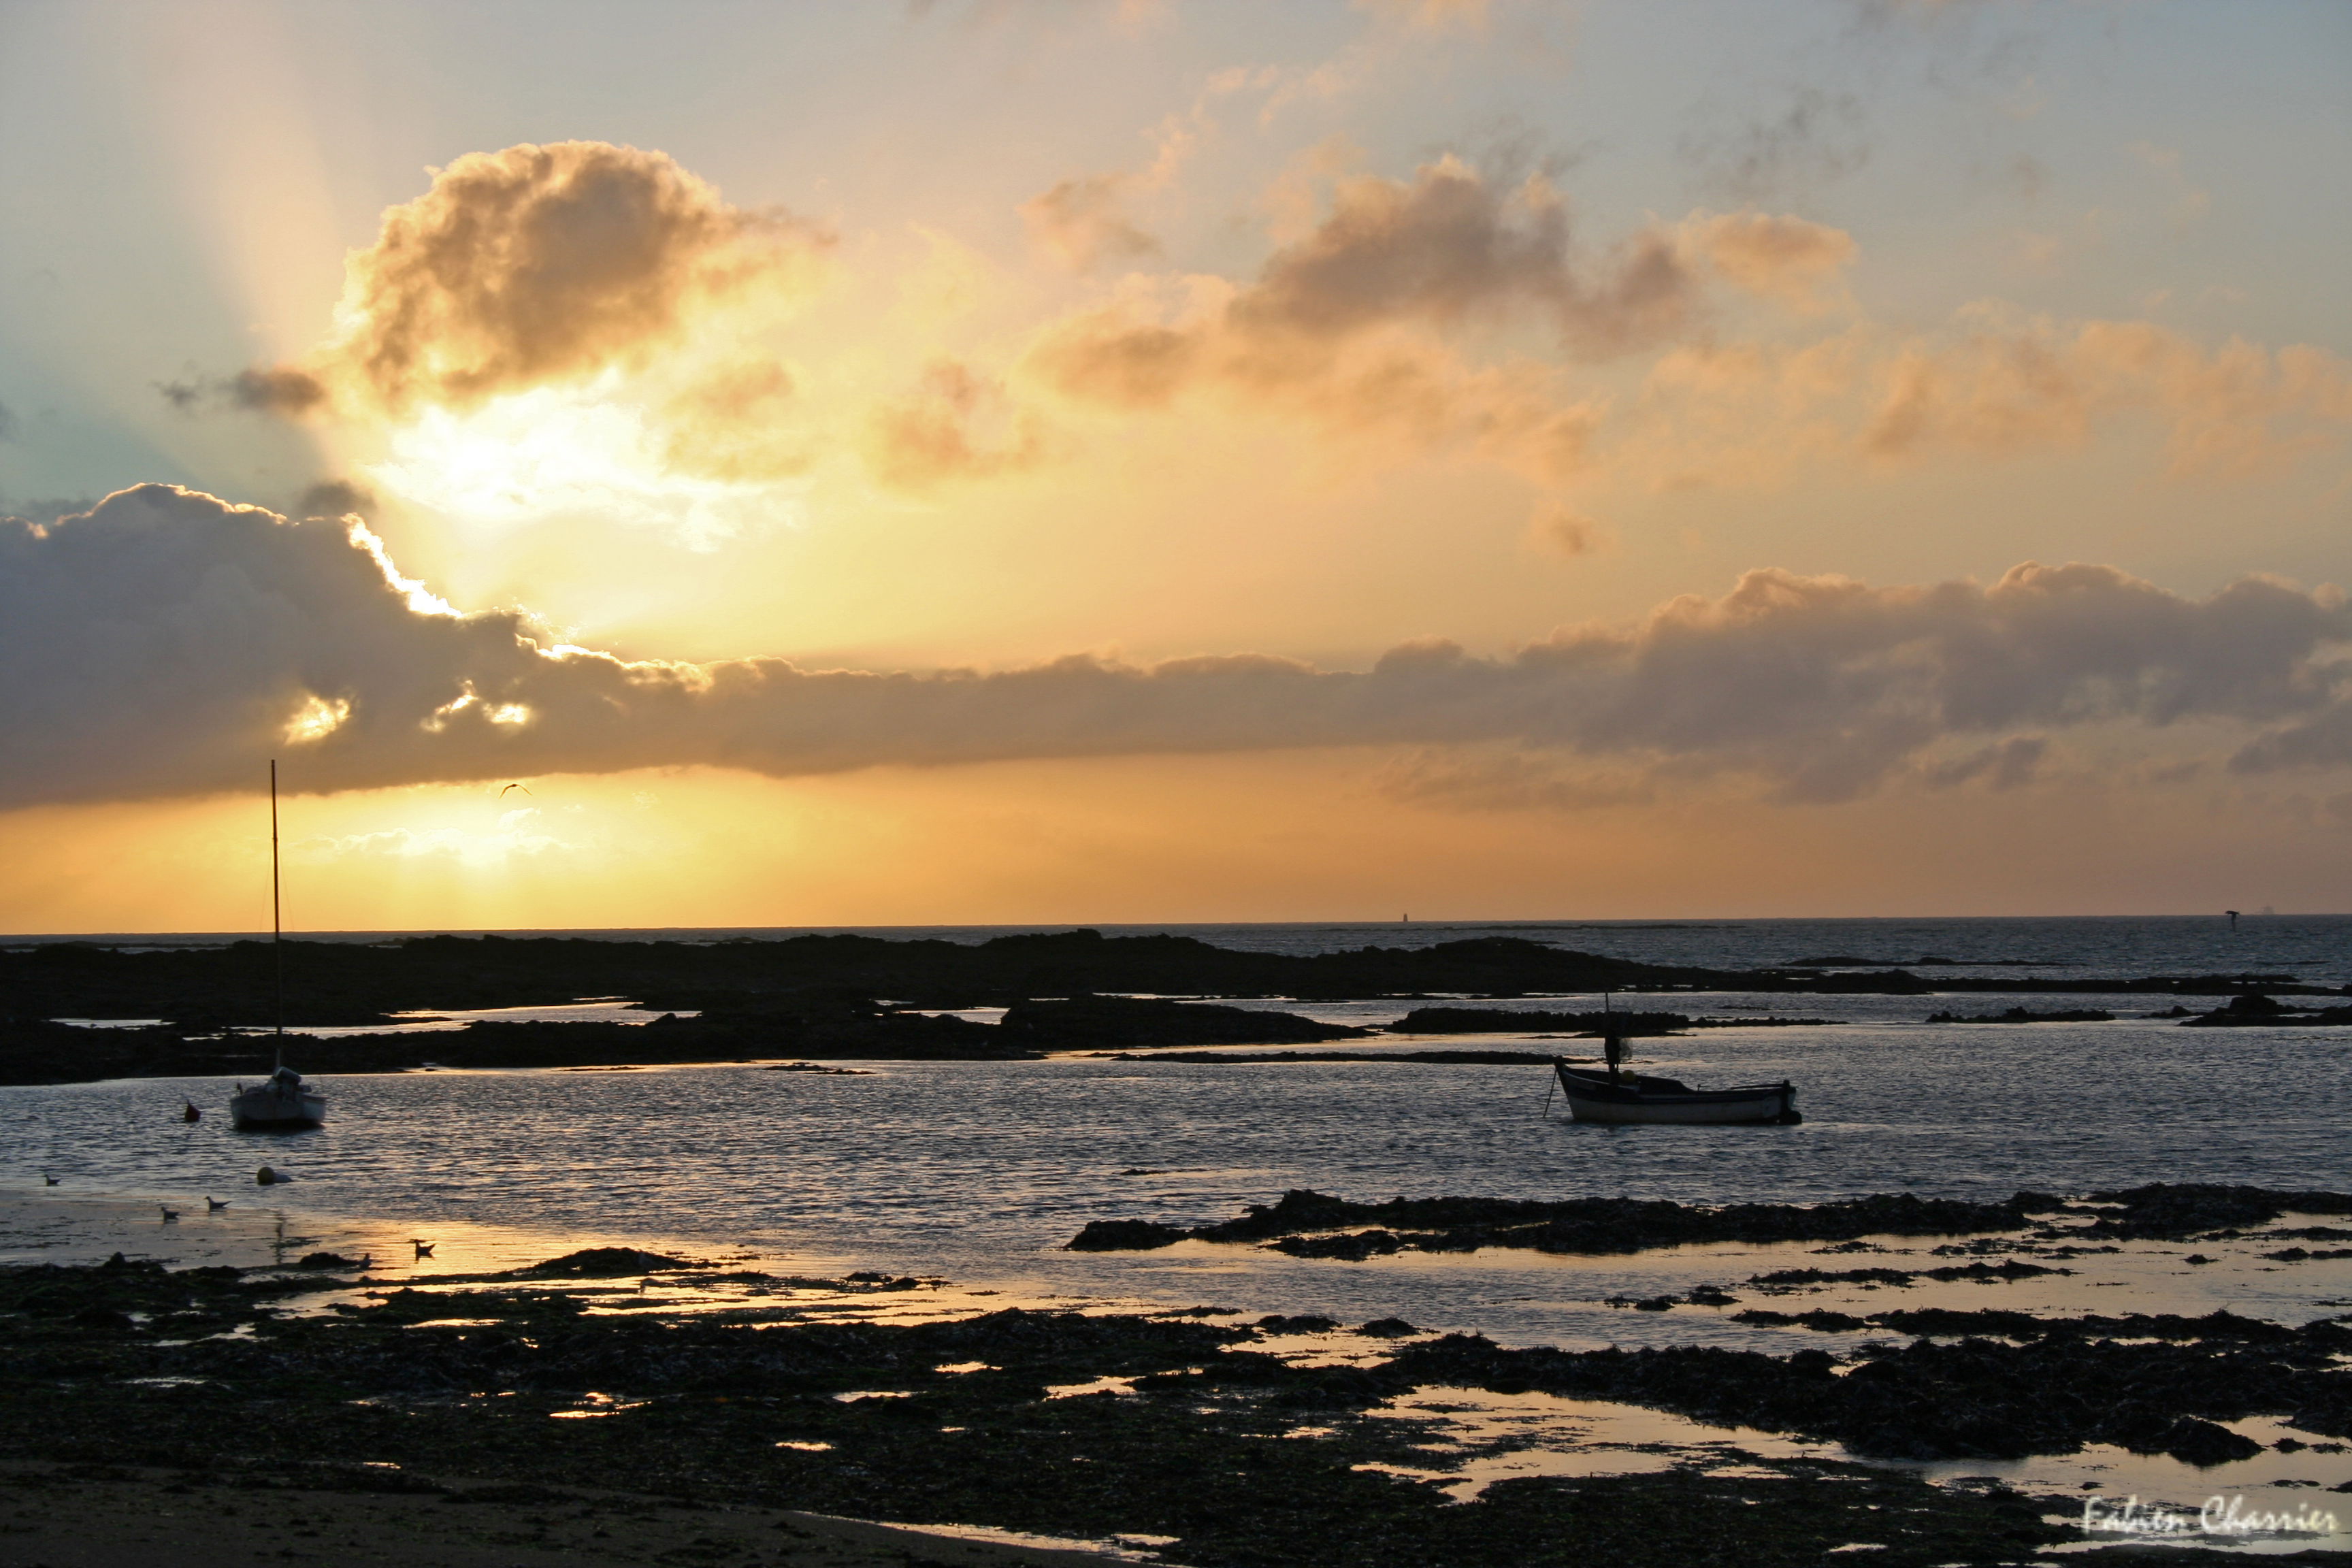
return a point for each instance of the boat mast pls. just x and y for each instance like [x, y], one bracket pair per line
[1613, 1044]
[276, 924]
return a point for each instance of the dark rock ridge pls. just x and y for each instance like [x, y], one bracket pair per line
[349, 983]
[1445, 1058]
[2255, 1010]
[1308, 1223]
[1499, 1020]
[2024, 1016]
[1587, 1225]
[1979, 1398]
[1514, 1020]
[1080, 1022]
[2182, 1211]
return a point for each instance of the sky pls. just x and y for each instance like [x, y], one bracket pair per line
[719, 464]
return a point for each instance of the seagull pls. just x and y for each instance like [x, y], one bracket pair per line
[424, 1248]
[502, 794]
[48, 1180]
[169, 1214]
[214, 1205]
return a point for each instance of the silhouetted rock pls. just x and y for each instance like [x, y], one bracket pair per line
[1499, 1020]
[1126, 1236]
[603, 1263]
[1079, 1022]
[2024, 1016]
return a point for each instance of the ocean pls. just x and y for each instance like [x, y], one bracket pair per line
[980, 1171]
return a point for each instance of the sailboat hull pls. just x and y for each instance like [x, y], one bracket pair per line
[270, 1109]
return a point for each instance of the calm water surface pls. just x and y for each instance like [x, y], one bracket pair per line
[980, 1171]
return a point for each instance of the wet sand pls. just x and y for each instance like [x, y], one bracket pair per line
[105, 1516]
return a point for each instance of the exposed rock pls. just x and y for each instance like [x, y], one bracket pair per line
[2025, 1015]
[603, 1263]
[1580, 1225]
[1126, 1236]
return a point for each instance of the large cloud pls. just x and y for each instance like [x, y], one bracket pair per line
[534, 265]
[1348, 325]
[167, 643]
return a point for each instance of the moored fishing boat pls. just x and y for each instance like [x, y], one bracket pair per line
[1619, 1096]
[1634, 1098]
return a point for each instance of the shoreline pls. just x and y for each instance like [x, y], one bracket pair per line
[1189, 1377]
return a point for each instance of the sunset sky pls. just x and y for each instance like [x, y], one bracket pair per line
[1062, 462]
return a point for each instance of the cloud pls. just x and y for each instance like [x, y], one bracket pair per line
[1820, 137]
[1560, 530]
[1449, 246]
[1080, 223]
[1992, 384]
[336, 498]
[1787, 259]
[1997, 386]
[955, 424]
[2324, 740]
[2006, 764]
[1345, 327]
[166, 643]
[530, 267]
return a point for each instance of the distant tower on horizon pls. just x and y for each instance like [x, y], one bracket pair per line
[2234, 917]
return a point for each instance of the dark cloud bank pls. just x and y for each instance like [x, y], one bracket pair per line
[164, 642]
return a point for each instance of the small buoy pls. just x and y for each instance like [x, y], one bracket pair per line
[266, 1177]
[192, 1113]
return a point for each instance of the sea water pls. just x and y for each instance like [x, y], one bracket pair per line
[981, 1171]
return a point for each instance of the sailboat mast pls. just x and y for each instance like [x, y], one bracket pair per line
[276, 922]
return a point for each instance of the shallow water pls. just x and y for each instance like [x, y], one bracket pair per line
[982, 1170]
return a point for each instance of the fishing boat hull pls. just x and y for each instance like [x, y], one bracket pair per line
[1593, 1097]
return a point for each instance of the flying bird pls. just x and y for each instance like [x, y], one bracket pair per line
[502, 794]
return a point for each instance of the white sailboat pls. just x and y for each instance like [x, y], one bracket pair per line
[282, 1104]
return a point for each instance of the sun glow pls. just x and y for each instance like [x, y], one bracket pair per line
[554, 452]
[316, 720]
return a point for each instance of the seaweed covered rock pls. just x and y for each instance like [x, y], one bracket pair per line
[605, 1263]
[1584, 1226]
[1126, 1236]
[1079, 1022]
